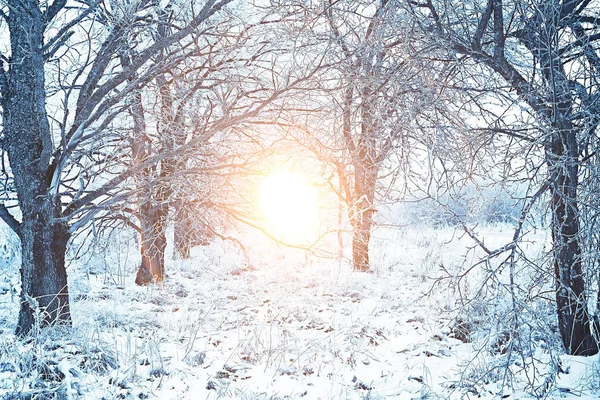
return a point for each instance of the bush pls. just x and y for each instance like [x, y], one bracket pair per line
[470, 204]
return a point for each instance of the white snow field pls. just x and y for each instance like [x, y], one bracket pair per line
[276, 324]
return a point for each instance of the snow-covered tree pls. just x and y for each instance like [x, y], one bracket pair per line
[62, 85]
[376, 90]
[545, 53]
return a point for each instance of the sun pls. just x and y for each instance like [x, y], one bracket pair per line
[289, 205]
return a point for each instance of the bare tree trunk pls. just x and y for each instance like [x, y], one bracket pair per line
[190, 227]
[182, 239]
[153, 224]
[154, 212]
[183, 235]
[153, 201]
[28, 142]
[153, 209]
[571, 299]
[44, 289]
[340, 236]
[186, 233]
[361, 236]
[365, 178]
[363, 217]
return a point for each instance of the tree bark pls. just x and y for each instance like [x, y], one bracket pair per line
[574, 321]
[28, 143]
[361, 237]
[154, 208]
[365, 179]
[153, 221]
[44, 288]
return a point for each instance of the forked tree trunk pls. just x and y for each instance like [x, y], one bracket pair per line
[153, 215]
[28, 143]
[571, 298]
[153, 207]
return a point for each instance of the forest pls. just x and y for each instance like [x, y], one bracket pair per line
[281, 199]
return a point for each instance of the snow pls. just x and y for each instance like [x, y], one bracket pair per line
[275, 324]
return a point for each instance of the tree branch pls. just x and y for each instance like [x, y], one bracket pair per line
[499, 37]
[93, 95]
[10, 220]
[482, 25]
[4, 16]
[53, 10]
[57, 40]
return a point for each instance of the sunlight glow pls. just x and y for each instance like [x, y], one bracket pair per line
[289, 205]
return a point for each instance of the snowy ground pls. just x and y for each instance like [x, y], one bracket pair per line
[279, 325]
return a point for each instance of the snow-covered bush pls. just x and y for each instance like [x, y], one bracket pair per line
[10, 255]
[469, 204]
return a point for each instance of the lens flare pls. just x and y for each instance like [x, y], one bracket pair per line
[289, 205]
